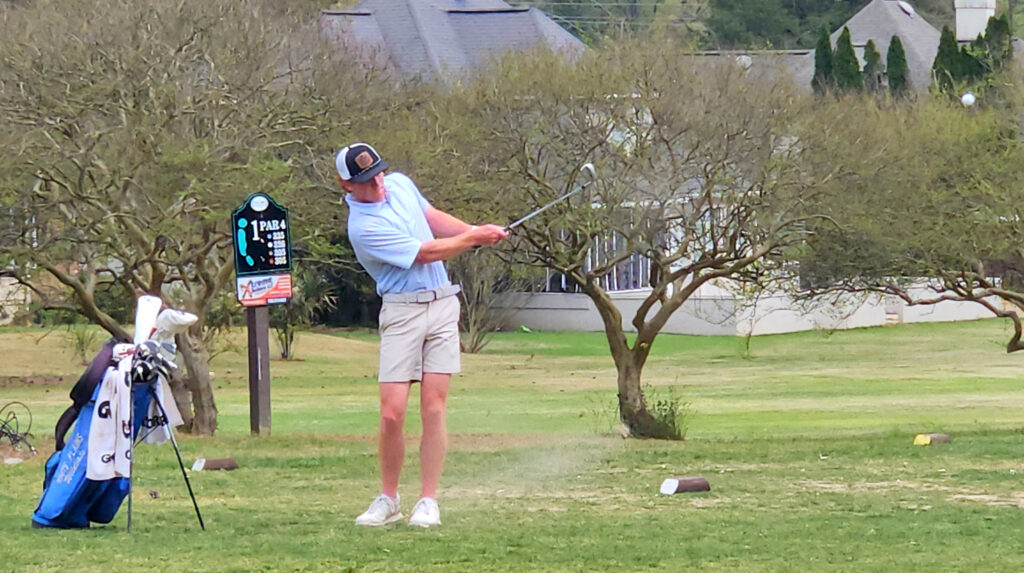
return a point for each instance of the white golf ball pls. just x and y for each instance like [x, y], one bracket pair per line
[968, 99]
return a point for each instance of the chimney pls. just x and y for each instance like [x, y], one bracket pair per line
[972, 17]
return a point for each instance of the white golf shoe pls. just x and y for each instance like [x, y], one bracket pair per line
[382, 511]
[425, 513]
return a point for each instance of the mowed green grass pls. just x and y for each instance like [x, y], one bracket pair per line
[806, 440]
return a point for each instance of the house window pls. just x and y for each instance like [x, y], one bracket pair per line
[630, 274]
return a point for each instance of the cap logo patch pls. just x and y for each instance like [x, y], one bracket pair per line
[364, 160]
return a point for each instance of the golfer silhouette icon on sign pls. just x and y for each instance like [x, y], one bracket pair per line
[261, 237]
[242, 245]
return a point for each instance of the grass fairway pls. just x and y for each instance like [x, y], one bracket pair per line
[806, 441]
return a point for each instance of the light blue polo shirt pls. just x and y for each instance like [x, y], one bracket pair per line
[387, 236]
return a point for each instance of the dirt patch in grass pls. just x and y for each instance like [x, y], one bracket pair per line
[466, 442]
[34, 380]
[961, 494]
[497, 442]
[825, 486]
[8, 452]
[876, 486]
[1015, 499]
[542, 493]
[456, 442]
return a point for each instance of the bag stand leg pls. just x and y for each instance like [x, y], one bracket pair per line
[131, 461]
[181, 464]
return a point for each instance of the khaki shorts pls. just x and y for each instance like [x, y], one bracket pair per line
[419, 337]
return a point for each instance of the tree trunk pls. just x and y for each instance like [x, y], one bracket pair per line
[180, 393]
[629, 363]
[197, 381]
[287, 349]
[632, 407]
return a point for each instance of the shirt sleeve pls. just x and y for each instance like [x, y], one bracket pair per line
[389, 245]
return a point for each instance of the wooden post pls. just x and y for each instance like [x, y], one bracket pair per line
[684, 484]
[205, 465]
[258, 322]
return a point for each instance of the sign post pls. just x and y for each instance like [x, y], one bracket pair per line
[263, 265]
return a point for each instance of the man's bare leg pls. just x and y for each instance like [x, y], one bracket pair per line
[434, 443]
[394, 397]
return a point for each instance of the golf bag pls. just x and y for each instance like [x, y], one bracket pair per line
[71, 498]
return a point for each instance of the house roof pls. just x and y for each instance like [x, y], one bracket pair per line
[880, 20]
[441, 38]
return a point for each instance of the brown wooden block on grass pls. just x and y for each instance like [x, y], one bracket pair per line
[684, 484]
[205, 465]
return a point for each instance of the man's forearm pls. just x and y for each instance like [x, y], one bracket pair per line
[444, 249]
[444, 225]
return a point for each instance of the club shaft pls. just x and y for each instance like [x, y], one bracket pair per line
[546, 207]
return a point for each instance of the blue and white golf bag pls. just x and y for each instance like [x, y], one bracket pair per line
[71, 500]
[89, 475]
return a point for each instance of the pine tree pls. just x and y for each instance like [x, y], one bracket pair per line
[947, 67]
[846, 66]
[872, 67]
[971, 66]
[823, 80]
[896, 68]
[998, 43]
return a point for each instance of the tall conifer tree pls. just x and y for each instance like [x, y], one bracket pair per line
[948, 62]
[823, 80]
[846, 65]
[896, 68]
[872, 67]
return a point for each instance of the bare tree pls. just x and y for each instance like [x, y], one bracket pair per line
[935, 217]
[132, 128]
[486, 281]
[699, 180]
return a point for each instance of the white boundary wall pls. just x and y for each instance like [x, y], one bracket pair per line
[715, 311]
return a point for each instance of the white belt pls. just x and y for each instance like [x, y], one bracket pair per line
[422, 296]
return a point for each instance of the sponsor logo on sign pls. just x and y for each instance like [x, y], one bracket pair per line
[265, 289]
[257, 287]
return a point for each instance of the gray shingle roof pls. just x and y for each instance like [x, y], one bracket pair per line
[441, 38]
[880, 21]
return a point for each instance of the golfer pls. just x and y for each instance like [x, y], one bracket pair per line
[392, 229]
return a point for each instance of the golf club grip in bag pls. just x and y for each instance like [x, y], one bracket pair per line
[70, 499]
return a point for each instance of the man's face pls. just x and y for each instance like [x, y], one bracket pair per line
[365, 189]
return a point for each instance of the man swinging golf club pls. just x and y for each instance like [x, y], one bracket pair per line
[392, 228]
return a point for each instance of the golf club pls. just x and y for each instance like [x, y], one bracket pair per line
[588, 171]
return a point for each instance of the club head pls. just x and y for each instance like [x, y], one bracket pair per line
[588, 170]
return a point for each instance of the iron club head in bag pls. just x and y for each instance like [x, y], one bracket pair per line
[587, 169]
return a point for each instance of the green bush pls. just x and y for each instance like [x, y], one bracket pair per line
[670, 412]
